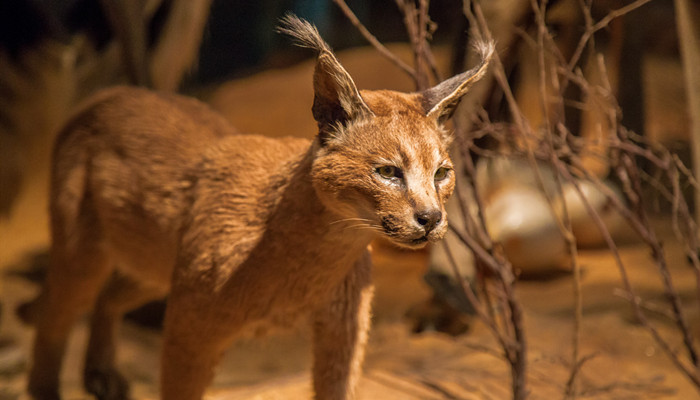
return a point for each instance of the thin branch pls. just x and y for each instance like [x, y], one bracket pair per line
[374, 42]
[636, 306]
[563, 220]
[471, 296]
[593, 28]
[414, 21]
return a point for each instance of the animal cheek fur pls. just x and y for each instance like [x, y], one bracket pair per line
[396, 205]
[342, 179]
[445, 190]
[391, 209]
[332, 173]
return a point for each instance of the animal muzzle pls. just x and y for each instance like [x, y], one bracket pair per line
[428, 219]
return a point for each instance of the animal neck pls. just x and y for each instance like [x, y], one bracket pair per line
[301, 216]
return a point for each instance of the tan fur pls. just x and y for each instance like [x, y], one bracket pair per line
[155, 194]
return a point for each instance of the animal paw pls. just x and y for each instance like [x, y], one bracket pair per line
[106, 384]
[27, 312]
[43, 393]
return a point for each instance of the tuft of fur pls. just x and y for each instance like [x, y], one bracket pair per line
[303, 32]
[336, 97]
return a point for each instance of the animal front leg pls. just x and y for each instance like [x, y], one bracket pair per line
[187, 366]
[194, 339]
[340, 334]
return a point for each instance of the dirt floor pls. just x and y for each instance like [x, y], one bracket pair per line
[624, 362]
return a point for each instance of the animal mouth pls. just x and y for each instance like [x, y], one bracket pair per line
[392, 230]
[412, 244]
[420, 240]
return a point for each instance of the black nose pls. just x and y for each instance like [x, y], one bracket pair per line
[428, 219]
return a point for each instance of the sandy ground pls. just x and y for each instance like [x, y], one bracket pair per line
[624, 363]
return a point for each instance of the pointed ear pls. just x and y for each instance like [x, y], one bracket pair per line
[336, 98]
[440, 101]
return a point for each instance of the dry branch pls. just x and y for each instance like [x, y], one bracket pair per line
[625, 152]
[374, 42]
[497, 304]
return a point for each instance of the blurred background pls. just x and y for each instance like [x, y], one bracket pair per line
[427, 343]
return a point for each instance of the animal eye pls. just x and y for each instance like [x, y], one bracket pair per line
[389, 171]
[441, 173]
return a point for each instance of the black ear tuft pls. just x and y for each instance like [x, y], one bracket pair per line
[336, 98]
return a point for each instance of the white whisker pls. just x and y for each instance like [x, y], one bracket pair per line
[365, 226]
[350, 220]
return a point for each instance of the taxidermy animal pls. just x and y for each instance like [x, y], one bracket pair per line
[155, 194]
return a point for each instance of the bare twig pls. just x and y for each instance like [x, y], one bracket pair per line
[494, 258]
[374, 42]
[592, 28]
[417, 23]
[498, 306]
[636, 300]
[563, 219]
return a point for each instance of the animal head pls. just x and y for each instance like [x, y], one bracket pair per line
[382, 156]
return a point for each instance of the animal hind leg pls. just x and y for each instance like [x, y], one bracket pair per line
[73, 281]
[121, 294]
